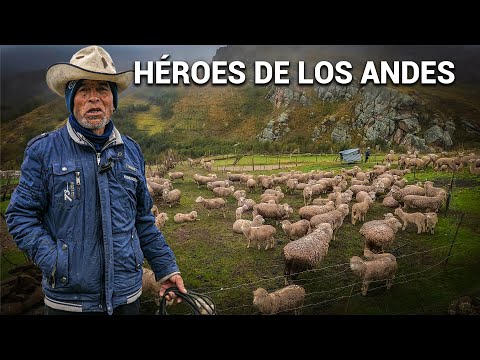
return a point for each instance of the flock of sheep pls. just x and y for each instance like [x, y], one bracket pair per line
[326, 198]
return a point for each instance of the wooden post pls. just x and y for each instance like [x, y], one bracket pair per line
[253, 163]
[449, 194]
[453, 241]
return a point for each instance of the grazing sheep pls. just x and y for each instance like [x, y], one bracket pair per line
[307, 252]
[380, 233]
[291, 185]
[249, 202]
[273, 211]
[334, 218]
[360, 209]
[259, 234]
[217, 183]
[154, 210]
[399, 194]
[223, 191]
[417, 218]
[257, 221]
[251, 184]
[288, 298]
[361, 195]
[160, 220]
[431, 222]
[203, 180]
[209, 204]
[426, 203]
[180, 218]
[239, 194]
[176, 175]
[474, 168]
[381, 267]
[432, 191]
[234, 177]
[307, 212]
[297, 229]
[389, 201]
[239, 211]
[172, 197]
[275, 197]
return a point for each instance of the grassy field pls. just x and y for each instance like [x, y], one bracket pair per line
[215, 261]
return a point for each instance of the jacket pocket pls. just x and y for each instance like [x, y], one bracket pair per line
[137, 250]
[59, 275]
[67, 184]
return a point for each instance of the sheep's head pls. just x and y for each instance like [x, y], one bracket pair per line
[258, 295]
[285, 223]
[356, 264]
[398, 211]
[199, 199]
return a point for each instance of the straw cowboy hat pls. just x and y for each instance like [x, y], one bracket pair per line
[90, 63]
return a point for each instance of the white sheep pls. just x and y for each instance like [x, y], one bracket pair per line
[307, 252]
[250, 203]
[431, 222]
[334, 218]
[223, 191]
[307, 212]
[273, 211]
[239, 211]
[382, 267]
[239, 194]
[359, 210]
[209, 204]
[257, 221]
[380, 233]
[180, 218]
[389, 201]
[176, 175]
[288, 298]
[172, 196]
[423, 202]
[297, 229]
[259, 234]
[160, 220]
[417, 218]
[251, 184]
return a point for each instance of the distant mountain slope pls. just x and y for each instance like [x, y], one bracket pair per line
[199, 120]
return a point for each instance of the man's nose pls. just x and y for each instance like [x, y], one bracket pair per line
[93, 96]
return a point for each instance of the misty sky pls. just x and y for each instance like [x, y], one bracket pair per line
[20, 58]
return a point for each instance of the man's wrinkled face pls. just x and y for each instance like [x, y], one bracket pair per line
[93, 104]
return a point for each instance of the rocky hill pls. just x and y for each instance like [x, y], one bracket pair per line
[198, 120]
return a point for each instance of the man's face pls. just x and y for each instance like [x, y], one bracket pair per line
[93, 104]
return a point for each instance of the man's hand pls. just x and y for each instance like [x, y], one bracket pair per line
[174, 280]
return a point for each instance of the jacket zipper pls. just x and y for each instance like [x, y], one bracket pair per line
[77, 181]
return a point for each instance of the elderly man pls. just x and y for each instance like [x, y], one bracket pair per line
[81, 210]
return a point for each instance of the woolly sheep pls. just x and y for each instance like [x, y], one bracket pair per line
[423, 202]
[399, 194]
[307, 212]
[307, 252]
[380, 233]
[154, 210]
[259, 234]
[417, 218]
[297, 229]
[334, 218]
[239, 211]
[250, 203]
[160, 220]
[359, 210]
[218, 183]
[176, 175]
[239, 194]
[273, 211]
[223, 191]
[172, 197]
[381, 268]
[389, 201]
[431, 222]
[251, 184]
[209, 204]
[257, 221]
[180, 218]
[288, 298]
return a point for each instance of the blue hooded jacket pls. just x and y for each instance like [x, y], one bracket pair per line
[85, 219]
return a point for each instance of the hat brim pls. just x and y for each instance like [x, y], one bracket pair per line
[58, 76]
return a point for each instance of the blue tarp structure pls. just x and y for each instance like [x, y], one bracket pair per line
[350, 155]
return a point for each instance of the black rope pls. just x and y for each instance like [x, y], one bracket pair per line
[199, 304]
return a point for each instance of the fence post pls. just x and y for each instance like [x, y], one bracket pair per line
[253, 163]
[453, 241]
[449, 194]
